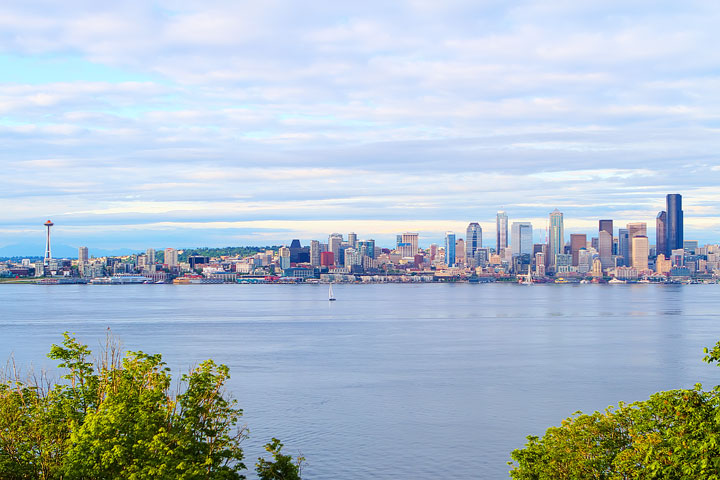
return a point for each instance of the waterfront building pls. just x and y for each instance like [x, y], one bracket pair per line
[597, 267]
[521, 241]
[450, 249]
[501, 223]
[637, 229]
[578, 241]
[171, 257]
[640, 251]
[150, 258]
[674, 222]
[556, 236]
[473, 239]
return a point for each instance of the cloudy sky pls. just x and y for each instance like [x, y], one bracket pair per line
[153, 124]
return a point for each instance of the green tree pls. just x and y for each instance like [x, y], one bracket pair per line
[282, 467]
[672, 435]
[116, 418]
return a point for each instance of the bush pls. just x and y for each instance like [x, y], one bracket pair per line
[117, 419]
[673, 434]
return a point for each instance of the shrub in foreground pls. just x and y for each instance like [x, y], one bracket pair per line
[672, 435]
[117, 418]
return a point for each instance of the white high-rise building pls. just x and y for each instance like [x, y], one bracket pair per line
[171, 257]
[502, 232]
[521, 238]
[150, 256]
[409, 244]
[640, 251]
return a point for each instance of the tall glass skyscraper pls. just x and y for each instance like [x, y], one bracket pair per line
[674, 222]
[502, 231]
[661, 234]
[473, 240]
[556, 240]
[522, 240]
[624, 245]
[449, 249]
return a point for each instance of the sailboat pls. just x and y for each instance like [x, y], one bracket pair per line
[527, 279]
[331, 297]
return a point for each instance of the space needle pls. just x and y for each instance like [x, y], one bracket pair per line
[48, 253]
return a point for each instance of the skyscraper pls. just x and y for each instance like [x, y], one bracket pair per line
[661, 233]
[82, 255]
[502, 231]
[606, 225]
[556, 240]
[352, 239]
[449, 249]
[637, 229]
[334, 242]
[640, 250]
[521, 242]
[473, 240]
[624, 245]
[314, 253]
[171, 257]
[605, 242]
[150, 256]
[367, 248]
[409, 244]
[577, 242]
[674, 222]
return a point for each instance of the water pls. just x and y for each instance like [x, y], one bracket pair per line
[395, 381]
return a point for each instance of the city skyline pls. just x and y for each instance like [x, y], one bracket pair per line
[248, 124]
[552, 234]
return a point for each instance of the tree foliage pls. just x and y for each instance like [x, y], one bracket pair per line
[117, 418]
[672, 435]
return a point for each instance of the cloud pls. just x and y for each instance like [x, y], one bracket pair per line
[374, 113]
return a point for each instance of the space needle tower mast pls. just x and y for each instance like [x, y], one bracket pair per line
[48, 253]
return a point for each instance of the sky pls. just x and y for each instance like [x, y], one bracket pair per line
[160, 124]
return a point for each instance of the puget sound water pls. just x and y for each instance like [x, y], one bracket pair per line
[424, 381]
